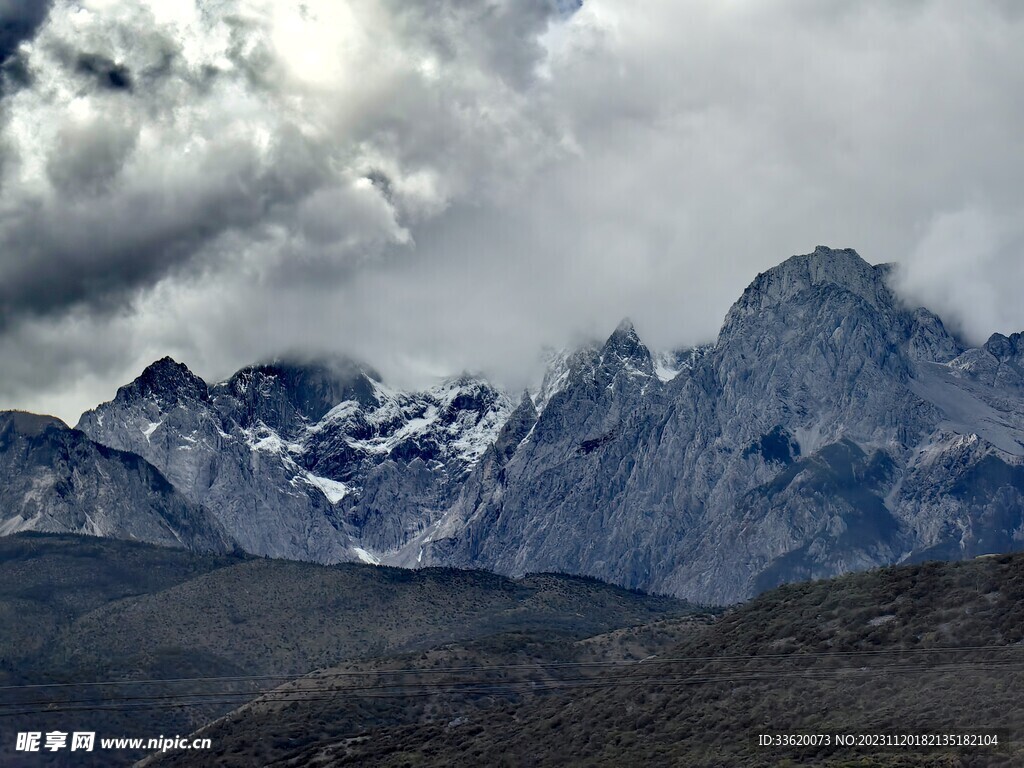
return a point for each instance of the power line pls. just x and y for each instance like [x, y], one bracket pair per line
[501, 688]
[807, 655]
[504, 690]
[455, 685]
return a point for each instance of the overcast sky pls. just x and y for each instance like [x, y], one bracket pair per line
[451, 185]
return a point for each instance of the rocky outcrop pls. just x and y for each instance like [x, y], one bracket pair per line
[55, 479]
[829, 428]
[306, 459]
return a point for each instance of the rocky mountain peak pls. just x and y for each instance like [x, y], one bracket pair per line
[929, 340]
[516, 428]
[466, 392]
[166, 380]
[27, 424]
[284, 392]
[841, 268]
[831, 428]
[1005, 348]
[626, 327]
[558, 367]
[56, 479]
[526, 402]
[625, 349]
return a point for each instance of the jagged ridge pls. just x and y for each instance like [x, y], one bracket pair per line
[828, 428]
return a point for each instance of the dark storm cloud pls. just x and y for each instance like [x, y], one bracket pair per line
[103, 249]
[451, 185]
[87, 160]
[106, 73]
[14, 74]
[380, 180]
[19, 20]
[262, 138]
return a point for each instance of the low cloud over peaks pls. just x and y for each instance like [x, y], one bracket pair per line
[453, 185]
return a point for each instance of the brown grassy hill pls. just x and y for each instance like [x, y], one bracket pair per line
[451, 684]
[862, 654]
[82, 610]
[48, 582]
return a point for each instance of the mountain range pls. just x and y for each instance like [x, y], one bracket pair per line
[829, 428]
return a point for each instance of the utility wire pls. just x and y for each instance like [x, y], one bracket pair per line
[503, 688]
[808, 655]
[456, 685]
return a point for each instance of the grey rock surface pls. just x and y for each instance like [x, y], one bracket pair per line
[306, 459]
[55, 479]
[828, 428]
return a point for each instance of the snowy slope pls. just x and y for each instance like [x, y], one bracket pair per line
[287, 453]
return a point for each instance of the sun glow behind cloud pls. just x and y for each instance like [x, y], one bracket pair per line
[464, 182]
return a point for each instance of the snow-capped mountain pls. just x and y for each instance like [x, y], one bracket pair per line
[314, 460]
[828, 428]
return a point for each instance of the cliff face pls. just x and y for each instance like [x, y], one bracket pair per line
[828, 429]
[310, 460]
[57, 480]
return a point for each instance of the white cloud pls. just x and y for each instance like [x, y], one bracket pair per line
[452, 185]
[967, 265]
